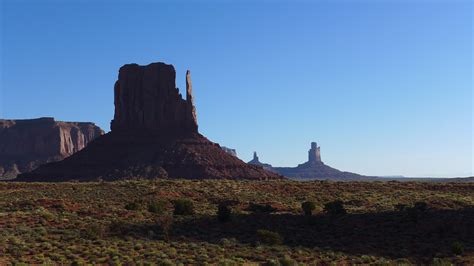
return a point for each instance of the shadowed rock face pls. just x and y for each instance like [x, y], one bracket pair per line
[146, 99]
[25, 144]
[154, 134]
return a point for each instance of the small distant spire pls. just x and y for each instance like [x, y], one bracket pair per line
[314, 154]
[255, 157]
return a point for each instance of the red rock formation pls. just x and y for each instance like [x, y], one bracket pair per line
[154, 134]
[314, 168]
[146, 98]
[25, 144]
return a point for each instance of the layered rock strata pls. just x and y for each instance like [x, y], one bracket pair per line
[26, 144]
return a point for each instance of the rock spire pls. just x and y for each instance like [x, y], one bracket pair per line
[190, 99]
[314, 153]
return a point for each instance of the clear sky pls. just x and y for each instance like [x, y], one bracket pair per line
[384, 87]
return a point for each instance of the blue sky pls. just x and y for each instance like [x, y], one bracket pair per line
[384, 87]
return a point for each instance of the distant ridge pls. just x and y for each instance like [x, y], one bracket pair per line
[313, 169]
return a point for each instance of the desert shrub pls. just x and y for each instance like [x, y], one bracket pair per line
[156, 206]
[46, 214]
[400, 207]
[308, 207]
[287, 261]
[269, 237]
[271, 262]
[261, 208]
[441, 262]
[226, 242]
[335, 208]
[224, 212]
[94, 231]
[227, 262]
[457, 248]
[165, 262]
[132, 206]
[183, 207]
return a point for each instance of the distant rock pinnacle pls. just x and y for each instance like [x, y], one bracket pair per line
[314, 154]
[314, 168]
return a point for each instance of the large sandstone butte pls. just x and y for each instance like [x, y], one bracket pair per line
[154, 134]
[314, 168]
[26, 144]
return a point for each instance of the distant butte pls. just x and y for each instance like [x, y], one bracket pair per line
[314, 168]
[154, 133]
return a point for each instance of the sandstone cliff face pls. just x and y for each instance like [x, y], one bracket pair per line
[146, 98]
[154, 135]
[25, 144]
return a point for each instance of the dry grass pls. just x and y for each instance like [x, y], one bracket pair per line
[88, 222]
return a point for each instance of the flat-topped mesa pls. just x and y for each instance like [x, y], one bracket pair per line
[146, 99]
[27, 143]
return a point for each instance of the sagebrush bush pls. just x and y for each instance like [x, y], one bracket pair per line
[308, 207]
[269, 237]
[94, 231]
[287, 261]
[183, 207]
[335, 208]
[156, 206]
[224, 212]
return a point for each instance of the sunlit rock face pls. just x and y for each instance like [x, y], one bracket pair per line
[154, 134]
[25, 144]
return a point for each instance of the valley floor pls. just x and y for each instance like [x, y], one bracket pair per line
[131, 222]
